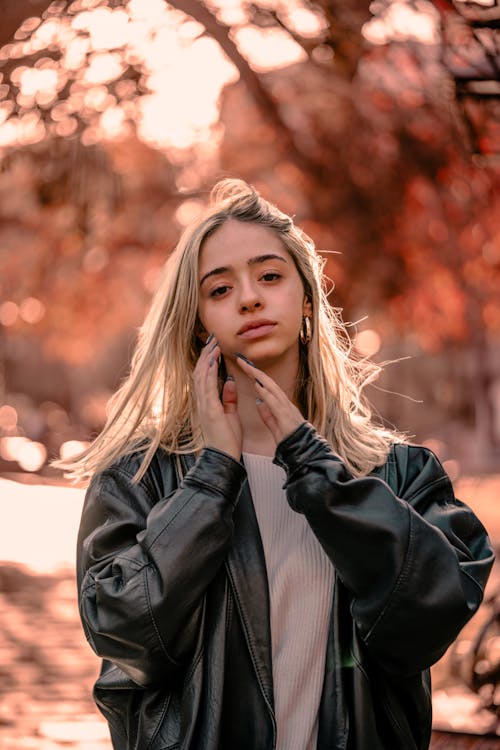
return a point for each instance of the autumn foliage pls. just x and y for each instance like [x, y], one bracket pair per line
[358, 132]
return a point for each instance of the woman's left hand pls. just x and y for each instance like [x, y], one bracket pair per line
[276, 410]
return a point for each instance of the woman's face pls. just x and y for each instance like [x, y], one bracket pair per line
[251, 296]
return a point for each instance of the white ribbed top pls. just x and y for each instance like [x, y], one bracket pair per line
[300, 579]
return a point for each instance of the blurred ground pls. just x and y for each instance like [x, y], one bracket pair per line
[46, 667]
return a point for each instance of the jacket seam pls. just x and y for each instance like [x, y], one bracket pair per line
[158, 634]
[165, 707]
[400, 580]
[193, 666]
[229, 610]
[204, 485]
[128, 476]
[405, 567]
[171, 520]
[471, 578]
[118, 715]
[426, 487]
[138, 568]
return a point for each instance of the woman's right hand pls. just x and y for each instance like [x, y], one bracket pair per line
[219, 420]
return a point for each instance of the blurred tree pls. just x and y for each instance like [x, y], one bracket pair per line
[358, 133]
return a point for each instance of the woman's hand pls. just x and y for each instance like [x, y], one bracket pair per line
[219, 420]
[275, 408]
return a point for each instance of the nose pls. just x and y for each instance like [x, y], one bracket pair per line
[250, 299]
[250, 306]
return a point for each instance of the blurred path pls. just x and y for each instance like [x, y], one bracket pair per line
[47, 668]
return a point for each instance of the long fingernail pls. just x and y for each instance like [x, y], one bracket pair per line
[258, 381]
[258, 401]
[214, 346]
[211, 361]
[230, 378]
[245, 359]
[209, 339]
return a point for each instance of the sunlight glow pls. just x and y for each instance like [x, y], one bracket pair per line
[70, 732]
[153, 11]
[305, 22]
[268, 48]
[107, 27]
[182, 106]
[181, 70]
[11, 446]
[112, 122]
[104, 67]
[49, 517]
[32, 456]
[401, 21]
[47, 33]
[368, 342]
[75, 53]
[32, 80]
[31, 310]
[72, 448]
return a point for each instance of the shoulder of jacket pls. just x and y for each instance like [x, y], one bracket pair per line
[414, 467]
[157, 479]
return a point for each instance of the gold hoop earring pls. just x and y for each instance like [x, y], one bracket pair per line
[305, 330]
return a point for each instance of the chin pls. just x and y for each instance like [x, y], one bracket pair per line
[269, 352]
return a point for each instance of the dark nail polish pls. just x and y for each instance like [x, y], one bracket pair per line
[245, 359]
[258, 381]
[258, 401]
[214, 346]
[211, 361]
[209, 339]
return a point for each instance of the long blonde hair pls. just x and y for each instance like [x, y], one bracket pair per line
[155, 406]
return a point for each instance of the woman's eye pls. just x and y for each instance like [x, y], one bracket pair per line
[271, 276]
[218, 291]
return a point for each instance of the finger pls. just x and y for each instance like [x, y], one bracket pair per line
[208, 359]
[209, 348]
[212, 371]
[284, 416]
[267, 417]
[230, 396]
[204, 358]
[206, 385]
[262, 378]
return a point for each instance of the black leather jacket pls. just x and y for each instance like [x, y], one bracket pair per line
[173, 595]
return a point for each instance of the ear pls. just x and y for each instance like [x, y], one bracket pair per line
[307, 307]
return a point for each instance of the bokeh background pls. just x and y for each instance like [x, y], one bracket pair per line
[377, 125]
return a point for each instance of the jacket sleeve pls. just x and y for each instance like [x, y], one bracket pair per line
[415, 565]
[144, 563]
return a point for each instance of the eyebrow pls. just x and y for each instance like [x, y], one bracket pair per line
[251, 262]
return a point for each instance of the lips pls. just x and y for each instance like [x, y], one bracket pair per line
[250, 326]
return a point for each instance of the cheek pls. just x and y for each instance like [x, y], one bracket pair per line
[204, 314]
[214, 320]
[293, 304]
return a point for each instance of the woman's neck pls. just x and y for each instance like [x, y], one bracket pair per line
[256, 436]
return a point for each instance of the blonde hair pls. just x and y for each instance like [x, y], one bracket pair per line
[155, 406]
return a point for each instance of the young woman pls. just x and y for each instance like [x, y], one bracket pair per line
[260, 565]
